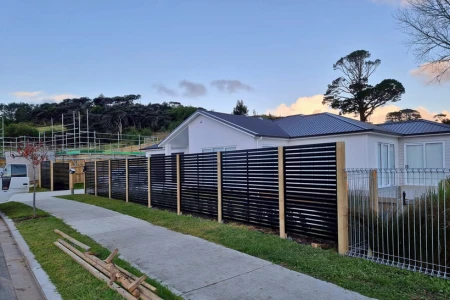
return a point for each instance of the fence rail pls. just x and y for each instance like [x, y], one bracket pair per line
[401, 217]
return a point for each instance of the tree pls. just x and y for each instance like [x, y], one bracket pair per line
[442, 118]
[35, 154]
[403, 115]
[240, 108]
[352, 93]
[427, 23]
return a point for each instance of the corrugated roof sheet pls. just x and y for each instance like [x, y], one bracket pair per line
[416, 127]
[256, 126]
[323, 124]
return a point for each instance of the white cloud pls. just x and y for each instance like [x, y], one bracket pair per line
[429, 71]
[26, 94]
[40, 96]
[313, 105]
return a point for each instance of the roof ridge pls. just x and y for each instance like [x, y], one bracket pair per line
[344, 119]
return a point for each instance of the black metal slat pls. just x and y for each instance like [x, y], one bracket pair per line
[102, 178]
[250, 186]
[310, 190]
[60, 176]
[138, 180]
[45, 174]
[163, 172]
[90, 177]
[199, 183]
[118, 179]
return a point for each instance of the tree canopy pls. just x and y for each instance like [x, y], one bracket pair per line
[403, 115]
[352, 94]
[106, 115]
[427, 23]
[240, 108]
[442, 118]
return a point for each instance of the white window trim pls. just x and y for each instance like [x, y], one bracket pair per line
[405, 160]
[223, 149]
[381, 175]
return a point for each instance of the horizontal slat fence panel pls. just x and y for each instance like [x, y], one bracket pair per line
[311, 190]
[90, 178]
[103, 178]
[45, 174]
[60, 176]
[138, 180]
[163, 172]
[250, 186]
[199, 183]
[118, 179]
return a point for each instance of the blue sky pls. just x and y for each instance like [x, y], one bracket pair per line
[264, 52]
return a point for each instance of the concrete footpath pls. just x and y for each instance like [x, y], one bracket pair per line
[16, 279]
[189, 266]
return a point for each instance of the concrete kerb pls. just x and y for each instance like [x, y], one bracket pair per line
[48, 288]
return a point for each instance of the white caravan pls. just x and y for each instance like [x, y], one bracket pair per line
[14, 180]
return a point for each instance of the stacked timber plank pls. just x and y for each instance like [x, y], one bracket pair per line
[129, 286]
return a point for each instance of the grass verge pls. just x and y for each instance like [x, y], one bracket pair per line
[71, 280]
[362, 276]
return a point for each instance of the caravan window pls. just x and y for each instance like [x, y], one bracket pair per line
[18, 170]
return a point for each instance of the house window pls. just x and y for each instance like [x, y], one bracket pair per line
[386, 164]
[424, 156]
[218, 149]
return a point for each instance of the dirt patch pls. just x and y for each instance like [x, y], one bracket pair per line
[18, 220]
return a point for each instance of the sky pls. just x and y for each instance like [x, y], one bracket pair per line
[276, 55]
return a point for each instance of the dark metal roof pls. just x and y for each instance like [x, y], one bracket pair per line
[252, 125]
[323, 124]
[416, 127]
[152, 147]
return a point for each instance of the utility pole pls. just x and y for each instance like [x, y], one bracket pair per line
[3, 137]
[87, 128]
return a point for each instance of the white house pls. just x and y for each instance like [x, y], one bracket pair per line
[411, 144]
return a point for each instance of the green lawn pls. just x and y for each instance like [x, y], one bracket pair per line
[71, 280]
[48, 129]
[365, 277]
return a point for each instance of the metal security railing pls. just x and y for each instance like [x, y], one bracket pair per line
[401, 217]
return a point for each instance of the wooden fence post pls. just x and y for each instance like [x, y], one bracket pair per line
[126, 180]
[373, 190]
[342, 199]
[219, 187]
[281, 192]
[178, 185]
[109, 180]
[95, 178]
[149, 183]
[51, 176]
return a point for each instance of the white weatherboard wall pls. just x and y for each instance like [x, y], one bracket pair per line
[425, 139]
[355, 147]
[207, 133]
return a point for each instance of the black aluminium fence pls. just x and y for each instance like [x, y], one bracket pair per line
[61, 176]
[45, 174]
[90, 177]
[199, 183]
[103, 178]
[249, 186]
[138, 180]
[311, 190]
[163, 173]
[118, 179]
